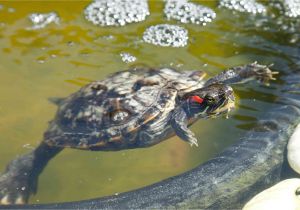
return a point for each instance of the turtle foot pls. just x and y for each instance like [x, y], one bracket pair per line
[14, 189]
[262, 73]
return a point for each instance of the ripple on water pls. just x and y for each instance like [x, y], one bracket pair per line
[166, 35]
[116, 12]
[187, 12]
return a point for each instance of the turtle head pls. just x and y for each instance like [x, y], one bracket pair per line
[209, 101]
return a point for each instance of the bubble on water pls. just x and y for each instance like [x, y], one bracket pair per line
[166, 35]
[294, 39]
[41, 20]
[11, 10]
[70, 43]
[116, 12]
[28, 146]
[23, 188]
[41, 61]
[127, 58]
[250, 6]
[108, 37]
[290, 8]
[187, 12]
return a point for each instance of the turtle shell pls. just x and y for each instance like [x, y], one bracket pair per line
[108, 114]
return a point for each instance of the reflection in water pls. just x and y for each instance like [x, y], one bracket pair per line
[39, 64]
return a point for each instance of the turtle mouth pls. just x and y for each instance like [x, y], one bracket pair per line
[227, 106]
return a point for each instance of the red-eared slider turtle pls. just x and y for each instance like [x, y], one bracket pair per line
[130, 109]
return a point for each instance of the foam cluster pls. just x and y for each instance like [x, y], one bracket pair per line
[250, 6]
[127, 58]
[187, 12]
[166, 35]
[41, 20]
[116, 12]
[291, 8]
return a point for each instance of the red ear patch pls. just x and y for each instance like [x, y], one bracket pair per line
[197, 99]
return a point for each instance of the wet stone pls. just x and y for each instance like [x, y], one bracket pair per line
[250, 6]
[41, 20]
[166, 35]
[116, 12]
[187, 12]
[127, 58]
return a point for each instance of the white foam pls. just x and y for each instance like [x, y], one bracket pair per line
[116, 12]
[250, 6]
[166, 35]
[41, 20]
[187, 12]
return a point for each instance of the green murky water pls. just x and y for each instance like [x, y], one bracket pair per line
[53, 62]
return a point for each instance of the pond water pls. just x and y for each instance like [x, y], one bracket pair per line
[57, 60]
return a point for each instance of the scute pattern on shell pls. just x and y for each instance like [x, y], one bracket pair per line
[108, 114]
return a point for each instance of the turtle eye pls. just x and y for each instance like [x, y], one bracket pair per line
[196, 99]
[209, 99]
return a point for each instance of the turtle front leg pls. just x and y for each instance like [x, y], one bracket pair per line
[19, 180]
[179, 122]
[240, 74]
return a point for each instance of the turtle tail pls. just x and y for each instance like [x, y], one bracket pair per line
[20, 178]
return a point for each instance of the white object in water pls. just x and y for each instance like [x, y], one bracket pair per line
[188, 12]
[116, 12]
[250, 6]
[293, 150]
[41, 20]
[291, 8]
[166, 35]
[127, 58]
[283, 196]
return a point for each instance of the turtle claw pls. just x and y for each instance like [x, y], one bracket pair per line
[5, 200]
[8, 200]
[13, 190]
[193, 142]
[20, 200]
[263, 74]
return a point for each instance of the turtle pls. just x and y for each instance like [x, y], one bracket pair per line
[135, 108]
